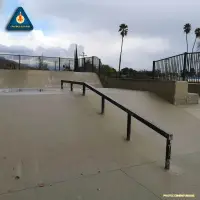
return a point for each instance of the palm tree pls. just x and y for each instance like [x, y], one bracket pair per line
[187, 29]
[123, 29]
[197, 34]
[198, 46]
[76, 59]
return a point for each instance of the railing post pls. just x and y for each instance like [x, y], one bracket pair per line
[84, 64]
[71, 86]
[102, 104]
[168, 152]
[99, 66]
[92, 64]
[55, 66]
[61, 84]
[154, 69]
[19, 61]
[184, 66]
[59, 63]
[128, 127]
[83, 89]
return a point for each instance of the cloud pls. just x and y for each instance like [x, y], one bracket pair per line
[155, 29]
[98, 43]
[1, 4]
[35, 43]
[144, 17]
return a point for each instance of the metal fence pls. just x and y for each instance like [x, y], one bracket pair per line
[11, 61]
[184, 66]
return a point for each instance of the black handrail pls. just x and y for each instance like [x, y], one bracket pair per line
[130, 114]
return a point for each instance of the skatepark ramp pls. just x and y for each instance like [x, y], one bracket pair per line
[130, 114]
[44, 79]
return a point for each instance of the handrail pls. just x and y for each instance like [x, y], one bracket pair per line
[130, 114]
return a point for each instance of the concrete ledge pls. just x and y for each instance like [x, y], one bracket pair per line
[175, 92]
[181, 93]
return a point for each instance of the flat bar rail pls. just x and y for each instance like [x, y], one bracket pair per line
[169, 137]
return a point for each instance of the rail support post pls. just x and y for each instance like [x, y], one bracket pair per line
[185, 66]
[19, 61]
[168, 152]
[128, 127]
[61, 84]
[102, 104]
[83, 89]
[71, 86]
[154, 69]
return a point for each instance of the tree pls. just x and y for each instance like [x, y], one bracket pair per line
[76, 60]
[45, 66]
[198, 46]
[107, 69]
[192, 72]
[40, 62]
[187, 29]
[123, 29]
[125, 71]
[197, 35]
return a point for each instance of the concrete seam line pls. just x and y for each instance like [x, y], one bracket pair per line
[141, 185]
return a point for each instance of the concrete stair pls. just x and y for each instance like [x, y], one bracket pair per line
[192, 98]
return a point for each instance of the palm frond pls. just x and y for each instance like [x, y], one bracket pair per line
[187, 28]
[123, 29]
[197, 32]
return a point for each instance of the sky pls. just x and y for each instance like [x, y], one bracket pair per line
[155, 29]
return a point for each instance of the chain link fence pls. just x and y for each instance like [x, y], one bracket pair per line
[22, 62]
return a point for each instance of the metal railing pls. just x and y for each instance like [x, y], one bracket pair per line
[184, 67]
[20, 62]
[130, 114]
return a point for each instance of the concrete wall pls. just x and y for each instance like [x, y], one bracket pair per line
[42, 79]
[172, 91]
[194, 88]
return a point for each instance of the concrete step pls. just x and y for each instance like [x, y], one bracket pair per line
[192, 98]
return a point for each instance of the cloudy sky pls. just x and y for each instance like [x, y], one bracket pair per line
[155, 28]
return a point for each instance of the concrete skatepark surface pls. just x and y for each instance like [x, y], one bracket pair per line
[60, 147]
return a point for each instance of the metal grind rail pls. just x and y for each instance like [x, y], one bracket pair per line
[130, 114]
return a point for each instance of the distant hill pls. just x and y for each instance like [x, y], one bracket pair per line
[10, 64]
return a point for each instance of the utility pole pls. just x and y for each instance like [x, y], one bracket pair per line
[83, 54]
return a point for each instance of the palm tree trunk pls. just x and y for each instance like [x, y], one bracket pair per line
[187, 42]
[194, 44]
[187, 48]
[192, 53]
[120, 57]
